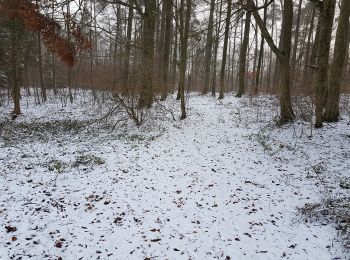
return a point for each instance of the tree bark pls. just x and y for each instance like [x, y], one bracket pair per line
[128, 49]
[209, 48]
[15, 35]
[306, 76]
[224, 51]
[296, 41]
[115, 52]
[40, 64]
[340, 53]
[168, 5]
[184, 35]
[283, 56]
[146, 96]
[326, 23]
[216, 47]
[243, 56]
[261, 56]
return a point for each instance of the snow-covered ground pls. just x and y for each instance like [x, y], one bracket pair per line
[223, 184]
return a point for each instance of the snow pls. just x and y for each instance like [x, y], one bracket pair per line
[222, 184]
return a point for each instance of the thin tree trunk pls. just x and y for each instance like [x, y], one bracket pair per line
[216, 47]
[115, 52]
[41, 76]
[174, 65]
[243, 56]
[283, 56]
[268, 80]
[184, 34]
[261, 56]
[224, 51]
[306, 77]
[209, 48]
[233, 62]
[14, 65]
[168, 5]
[296, 41]
[69, 39]
[128, 49]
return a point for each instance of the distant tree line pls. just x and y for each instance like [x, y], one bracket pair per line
[142, 51]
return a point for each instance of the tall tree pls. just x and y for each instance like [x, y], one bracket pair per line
[243, 55]
[216, 47]
[184, 28]
[209, 48]
[149, 19]
[23, 16]
[224, 51]
[283, 55]
[327, 8]
[340, 53]
[296, 41]
[168, 7]
[128, 48]
[261, 55]
[306, 76]
[16, 32]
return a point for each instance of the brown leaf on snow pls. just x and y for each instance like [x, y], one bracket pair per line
[10, 229]
[58, 244]
[118, 220]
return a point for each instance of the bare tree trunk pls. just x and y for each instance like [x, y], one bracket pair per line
[115, 51]
[15, 35]
[326, 23]
[261, 56]
[168, 6]
[314, 58]
[268, 80]
[234, 58]
[287, 114]
[128, 49]
[184, 34]
[340, 53]
[53, 69]
[306, 76]
[216, 47]
[243, 56]
[174, 65]
[40, 64]
[296, 41]
[209, 48]
[146, 97]
[224, 51]
[283, 56]
[69, 39]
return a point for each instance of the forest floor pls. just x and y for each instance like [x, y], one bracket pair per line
[226, 183]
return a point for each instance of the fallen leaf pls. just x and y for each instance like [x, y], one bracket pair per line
[10, 229]
[58, 244]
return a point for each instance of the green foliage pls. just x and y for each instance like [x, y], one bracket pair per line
[88, 159]
[56, 166]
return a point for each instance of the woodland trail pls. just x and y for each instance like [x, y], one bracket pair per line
[203, 188]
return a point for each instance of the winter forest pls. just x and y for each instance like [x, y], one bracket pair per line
[174, 129]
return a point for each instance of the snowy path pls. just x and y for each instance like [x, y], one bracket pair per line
[204, 189]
